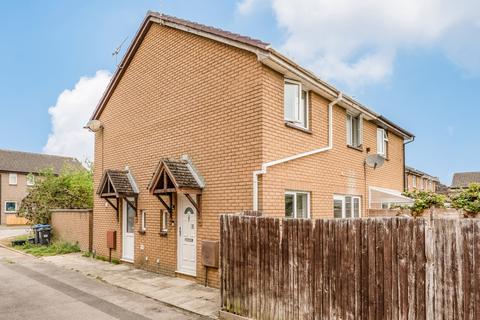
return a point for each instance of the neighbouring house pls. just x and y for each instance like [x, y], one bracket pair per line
[18, 172]
[461, 180]
[418, 180]
[198, 121]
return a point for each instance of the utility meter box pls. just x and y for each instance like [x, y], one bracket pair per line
[210, 253]
[112, 239]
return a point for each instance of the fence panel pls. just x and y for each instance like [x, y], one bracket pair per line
[377, 268]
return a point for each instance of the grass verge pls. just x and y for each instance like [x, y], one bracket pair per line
[50, 250]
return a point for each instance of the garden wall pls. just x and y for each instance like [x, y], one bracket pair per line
[74, 226]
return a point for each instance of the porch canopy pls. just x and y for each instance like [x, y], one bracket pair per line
[176, 176]
[116, 185]
[380, 196]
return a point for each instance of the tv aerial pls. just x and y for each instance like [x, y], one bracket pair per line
[117, 51]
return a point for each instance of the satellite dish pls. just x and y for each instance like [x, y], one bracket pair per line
[374, 161]
[94, 125]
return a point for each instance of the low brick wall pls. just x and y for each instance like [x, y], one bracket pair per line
[434, 213]
[74, 226]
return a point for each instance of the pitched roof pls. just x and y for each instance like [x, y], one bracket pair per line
[266, 54]
[420, 173]
[25, 162]
[121, 182]
[464, 179]
[181, 173]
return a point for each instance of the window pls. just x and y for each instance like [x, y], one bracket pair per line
[414, 181]
[421, 184]
[297, 204]
[12, 179]
[430, 186]
[10, 206]
[354, 130]
[164, 228]
[30, 180]
[382, 142]
[346, 206]
[296, 104]
[143, 226]
[386, 205]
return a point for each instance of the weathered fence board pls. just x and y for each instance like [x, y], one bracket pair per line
[379, 268]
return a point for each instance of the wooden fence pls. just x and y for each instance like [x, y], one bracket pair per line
[377, 268]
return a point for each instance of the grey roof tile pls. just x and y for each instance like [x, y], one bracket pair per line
[26, 162]
[464, 179]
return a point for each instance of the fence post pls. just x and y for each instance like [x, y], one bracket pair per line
[429, 269]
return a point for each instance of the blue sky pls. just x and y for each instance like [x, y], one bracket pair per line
[420, 80]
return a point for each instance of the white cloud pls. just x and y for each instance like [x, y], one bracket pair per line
[356, 42]
[69, 115]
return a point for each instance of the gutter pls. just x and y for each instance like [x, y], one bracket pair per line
[265, 165]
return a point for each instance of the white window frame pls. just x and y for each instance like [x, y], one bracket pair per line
[414, 181]
[382, 142]
[350, 138]
[343, 198]
[30, 180]
[9, 211]
[297, 121]
[164, 225]
[143, 225]
[294, 194]
[12, 179]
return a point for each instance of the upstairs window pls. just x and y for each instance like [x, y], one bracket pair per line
[296, 104]
[297, 204]
[30, 180]
[12, 179]
[382, 142]
[354, 130]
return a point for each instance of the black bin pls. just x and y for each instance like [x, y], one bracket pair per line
[45, 234]
[36, 231]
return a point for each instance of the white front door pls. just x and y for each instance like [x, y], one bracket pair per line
[187, 236]
[128, 239]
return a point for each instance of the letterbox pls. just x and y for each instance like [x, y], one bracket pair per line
[210, 253]
[112, 239]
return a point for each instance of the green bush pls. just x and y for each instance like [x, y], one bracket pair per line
[73, 188]
[424, 200]
[468, 199]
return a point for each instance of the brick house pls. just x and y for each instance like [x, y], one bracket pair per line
[418, 180]
[198, 121]
[18, 171]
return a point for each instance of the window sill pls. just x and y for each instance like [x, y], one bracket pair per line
[163, 233]
[141, 232]
[11, 212]
[294, 126]
[355, 148]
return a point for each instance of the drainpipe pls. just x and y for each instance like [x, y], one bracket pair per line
[299, 155]
[405, 182]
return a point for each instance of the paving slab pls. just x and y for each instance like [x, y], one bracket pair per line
[177, 292]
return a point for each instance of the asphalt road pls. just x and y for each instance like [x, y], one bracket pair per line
[34, 289]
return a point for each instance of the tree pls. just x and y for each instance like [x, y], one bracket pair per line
[468, 199]
[72, 188]
[424, 200]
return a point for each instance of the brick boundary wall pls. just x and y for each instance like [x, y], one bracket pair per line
[434, 213]
[74, 226]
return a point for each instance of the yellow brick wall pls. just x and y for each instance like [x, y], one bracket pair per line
[338, 171]
[73, 226]
[184, 94]
[181, 94]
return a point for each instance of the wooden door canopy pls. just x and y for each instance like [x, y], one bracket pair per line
[118, 184]
[178, 176]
